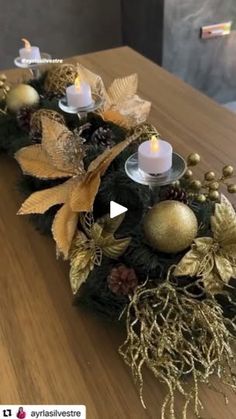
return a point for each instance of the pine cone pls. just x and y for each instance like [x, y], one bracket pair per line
[23, 117]
[176, 194]
[122, 280]
[103, 136]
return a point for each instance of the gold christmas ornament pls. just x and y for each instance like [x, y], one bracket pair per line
[231, 188]
[228, 171]
[36, 119]
[201, 198]
[193, 159]
[20, 96]
[188, 174]
[214, 186]
[214, 195]
[214, 258]
[59, 77]
[209, 176]
[170, 226]
[196, 185]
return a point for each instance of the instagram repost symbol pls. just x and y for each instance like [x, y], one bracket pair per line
[21, 413]
[7, 413]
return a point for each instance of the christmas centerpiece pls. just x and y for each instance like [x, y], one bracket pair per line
[166, 268]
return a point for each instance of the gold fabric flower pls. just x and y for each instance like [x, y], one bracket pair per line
[89, 245]
[214, 258]
[121, 104]
[51, 160]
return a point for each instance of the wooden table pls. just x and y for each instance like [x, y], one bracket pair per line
[54, 352]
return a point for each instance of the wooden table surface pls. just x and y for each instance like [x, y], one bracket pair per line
[51, 351]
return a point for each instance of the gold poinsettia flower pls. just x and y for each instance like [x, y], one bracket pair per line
[214, 258]
[121, 104]
[76, 194]
[89, 245]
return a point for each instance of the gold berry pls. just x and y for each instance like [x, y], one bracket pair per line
[201, 198]
[188, 174]
[193, 159]
[228, 171]
[196, 184]
[3, 77]
[214, 195]
[214, 186]
[7, 88]
[1, 84]
[209, 176]
[231, 188]
[176, 184]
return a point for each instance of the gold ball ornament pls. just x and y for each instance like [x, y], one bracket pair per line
[201, 198]
[214, 195]
[193, 159]
[209, 176]
[231, 188]
[170, 226]
[188, 174]
[228, 171]
[3, 77]
[20, 96]
[196, 185]
[59, 78]
[214, 186]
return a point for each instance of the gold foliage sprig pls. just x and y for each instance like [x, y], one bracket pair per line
[90, 244]
[175, 335]
[209, 187]
[214, 258]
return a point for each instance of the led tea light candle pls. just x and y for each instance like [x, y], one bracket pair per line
[29, 52]
[155, 156]
[79, 94]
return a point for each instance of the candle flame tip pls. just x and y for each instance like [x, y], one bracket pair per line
[154, 143]
[77, 82]
[26, 42]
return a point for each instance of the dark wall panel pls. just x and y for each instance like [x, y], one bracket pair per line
[60, 27]
[142, 24]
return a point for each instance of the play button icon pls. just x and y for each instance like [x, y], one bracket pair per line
[116, 209]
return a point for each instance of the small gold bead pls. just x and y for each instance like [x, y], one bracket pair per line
[3, 77]
[7, 88]
[214, 195]
[201, 198]
[231, 188]
[209, 176]
[228, 171]
[1, 84]
[193, 159]
[188, 174]
[176, 184]
[196, 184]
[214, 186]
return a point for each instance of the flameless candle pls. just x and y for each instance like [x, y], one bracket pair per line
[29, 52]
[79, 94]
[155, 156]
